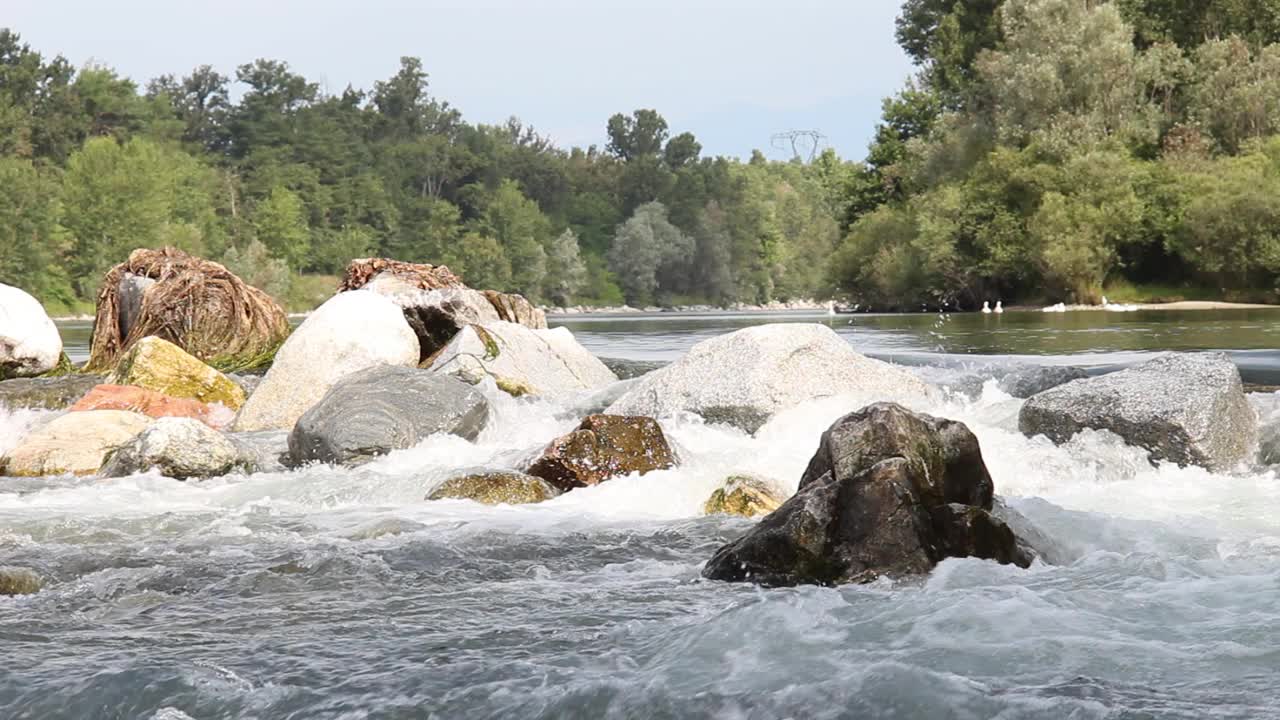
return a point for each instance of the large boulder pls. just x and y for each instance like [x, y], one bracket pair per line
[889, 492]
[516, 309]
[745, 495]
[75, 443]
[1184, 408]
[350, 332]
[1024, 382]
[178, 447]
[496, 487]
[51, 393]
[522, 361]
[29, 341]
[152, 404]
[385, 408]
[198, 305]
[436, 316]
[604, 447]
[745, 377]
[159, 365]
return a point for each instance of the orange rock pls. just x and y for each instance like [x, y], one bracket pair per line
[152, 404]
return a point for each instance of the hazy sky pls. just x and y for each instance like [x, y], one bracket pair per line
[733, 73]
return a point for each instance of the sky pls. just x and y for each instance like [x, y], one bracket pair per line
[734, 73]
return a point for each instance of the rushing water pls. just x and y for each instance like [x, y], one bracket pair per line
[343, 594]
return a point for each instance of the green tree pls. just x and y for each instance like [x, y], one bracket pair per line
[646, 248]
[280, 223]
[567, 273]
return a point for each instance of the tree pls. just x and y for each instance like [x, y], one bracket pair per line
[280, 223]
[29, 230]
[643, 134]
[645, 248]
[567, 273]
[523, 232]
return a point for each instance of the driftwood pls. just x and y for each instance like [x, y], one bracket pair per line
[426, 277]
[196, 304]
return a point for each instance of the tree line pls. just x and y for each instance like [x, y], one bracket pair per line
[1057, 149]
[289, 182]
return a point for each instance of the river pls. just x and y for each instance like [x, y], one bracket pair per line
[329, 593]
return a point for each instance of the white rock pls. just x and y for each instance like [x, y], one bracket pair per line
[745, 377]
[522, 360]
[75, 443]
[29, 341]
[179, 447]
[348, 333]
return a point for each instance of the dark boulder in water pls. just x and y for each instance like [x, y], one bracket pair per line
[1024, 382]
[889, 492]
[19, 581]
[1185, 408]
[385, 408]
[604, 447]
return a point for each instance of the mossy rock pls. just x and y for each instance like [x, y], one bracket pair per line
[514, 387]
[19, 581]
[159, 365]
[745, 495]
[495, 488]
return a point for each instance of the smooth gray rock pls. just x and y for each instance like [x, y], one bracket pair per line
[889, 492]
[1187, 408]
[53, 393]
[746, 377]
[130, 292]
[178, 447]
[522, 361]
[375, 411]
[30, 344]
[627, 369]
[1033, 541]
[1024, 382]
[261, 450]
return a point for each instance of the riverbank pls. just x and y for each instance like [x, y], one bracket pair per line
[650, 309]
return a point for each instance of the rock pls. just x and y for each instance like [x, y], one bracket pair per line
[522, 361]
[159, 365]
[261, 450]
[516, 309]
[247, 382]
[19, 581]
[495, 488]
[385, 408]
[53, 393]
[604, 447]
[350, 332]
[1031, 539]
[1184, 408]
[745, 495]
[179, 447]
[74, 443]
[29, 341]
[197, 305]
[436, 316]
[889, 492]
[1027, 381]
[629, 369]
[745, 377]
[152, 404]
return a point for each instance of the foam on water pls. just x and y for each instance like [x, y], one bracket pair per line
[343, 593]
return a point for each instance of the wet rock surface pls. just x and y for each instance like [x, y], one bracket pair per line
[385, 408]
[1186, 408]
[261, 450]
[601, 448]
[75, 443]
[522, 361]
[1024, 382]
[19, 581]
[889, 492]
[54, 393]
[495, 487]
[159, 365]
[745, 377]
[180, 448]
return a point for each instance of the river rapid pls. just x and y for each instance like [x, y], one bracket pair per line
[327, 593]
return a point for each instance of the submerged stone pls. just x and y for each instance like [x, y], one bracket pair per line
[19, 581]
[889, 492]
[495, 488]
[604, 447]
[745, 495]
[1027, 381]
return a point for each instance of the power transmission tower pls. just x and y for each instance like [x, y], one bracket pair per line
[799, 140]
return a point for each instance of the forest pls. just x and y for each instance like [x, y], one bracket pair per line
[1044, 150]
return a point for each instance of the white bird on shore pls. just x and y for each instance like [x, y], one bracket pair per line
[831, 307]
[1104, 301]
[999, 306]
[986, 307]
